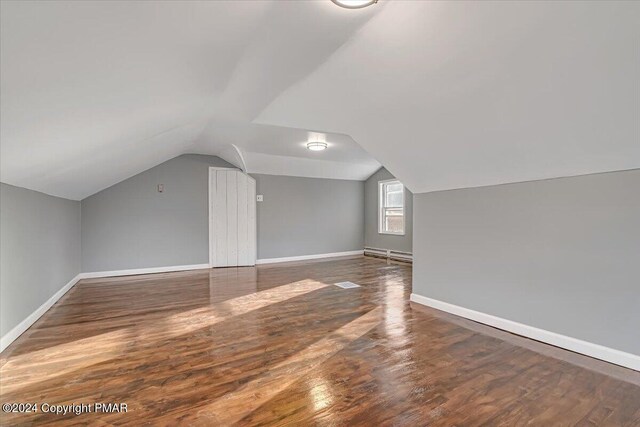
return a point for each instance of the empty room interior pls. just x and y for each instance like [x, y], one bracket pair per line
[320, 213]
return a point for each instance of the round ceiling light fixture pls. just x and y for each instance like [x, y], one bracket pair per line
[354, 4]
[317, 145]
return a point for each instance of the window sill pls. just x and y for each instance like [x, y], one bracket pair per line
[390, 233]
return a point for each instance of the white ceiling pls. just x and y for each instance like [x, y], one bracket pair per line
[445, 94]
[283, 151]
[95, 92]
[464, 94]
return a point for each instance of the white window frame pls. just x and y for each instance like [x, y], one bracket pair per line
[381, 185]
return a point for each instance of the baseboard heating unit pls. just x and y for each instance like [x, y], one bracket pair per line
[389, 254]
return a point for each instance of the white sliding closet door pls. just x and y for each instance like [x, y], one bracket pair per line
[232, 218]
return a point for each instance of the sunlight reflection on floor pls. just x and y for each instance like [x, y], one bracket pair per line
[250, 396]
[71, 356]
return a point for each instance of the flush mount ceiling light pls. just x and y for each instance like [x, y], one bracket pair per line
[354, 4]
[316, 146]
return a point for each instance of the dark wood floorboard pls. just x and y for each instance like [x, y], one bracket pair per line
[280, 345]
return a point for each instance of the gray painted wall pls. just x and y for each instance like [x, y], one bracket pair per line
[39, 250]
[561, 255]
[132, 225]
[305, 216]
[371, 236]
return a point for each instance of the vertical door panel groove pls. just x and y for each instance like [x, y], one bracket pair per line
[221, 219]
[243, 221]
[232, 218]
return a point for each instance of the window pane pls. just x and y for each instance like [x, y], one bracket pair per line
[393, 220]
[394, 187]
[394, 224]
[394, 200]
[393, 195]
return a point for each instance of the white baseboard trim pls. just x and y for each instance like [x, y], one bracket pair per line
[135, 271]
[19, 329]
[306, 257]
[14, 333]
[597, 351]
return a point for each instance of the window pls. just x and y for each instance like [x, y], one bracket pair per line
[391, 207]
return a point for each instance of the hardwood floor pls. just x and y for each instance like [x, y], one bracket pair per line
[280, 345]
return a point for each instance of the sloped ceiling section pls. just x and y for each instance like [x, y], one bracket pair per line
[464, 94]
[95, 92]
[283, 151]
[445, 94]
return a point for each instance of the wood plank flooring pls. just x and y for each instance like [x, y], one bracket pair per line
[280, 345]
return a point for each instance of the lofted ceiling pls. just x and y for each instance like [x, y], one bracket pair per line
[464, 94]
[95, 92]
[444, 94]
